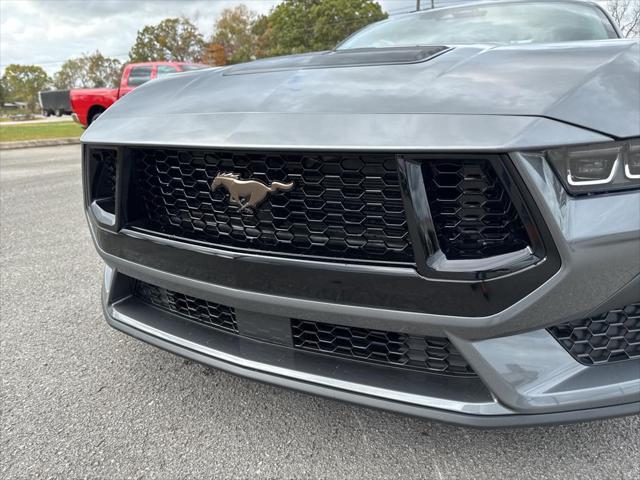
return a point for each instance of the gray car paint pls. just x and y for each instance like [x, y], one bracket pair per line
[501, 81]
[471, 98]
[282, 131]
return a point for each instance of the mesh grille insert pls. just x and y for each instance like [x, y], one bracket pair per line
[472, 212]
[420, 353]
[346, 206]
[202, 311]
[611, 337]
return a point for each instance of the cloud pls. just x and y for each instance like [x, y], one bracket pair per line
[48, 32]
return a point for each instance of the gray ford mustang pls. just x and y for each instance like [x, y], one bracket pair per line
[440, 217]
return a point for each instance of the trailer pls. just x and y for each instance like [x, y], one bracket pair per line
[55, 102]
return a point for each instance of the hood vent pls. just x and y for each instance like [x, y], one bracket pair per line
[341, 58]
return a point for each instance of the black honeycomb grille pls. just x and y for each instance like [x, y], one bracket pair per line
[611, 337]
[396, 349]
[473, 214]
[201, 311]
[346, 206]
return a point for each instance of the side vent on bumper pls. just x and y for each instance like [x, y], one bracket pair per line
[611, 337]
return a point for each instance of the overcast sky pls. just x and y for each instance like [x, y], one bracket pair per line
[47, 32]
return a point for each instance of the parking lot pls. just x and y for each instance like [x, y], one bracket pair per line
[82, 400]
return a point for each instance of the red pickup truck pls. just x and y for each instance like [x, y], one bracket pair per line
[89, 103]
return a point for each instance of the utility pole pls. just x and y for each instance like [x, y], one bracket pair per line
[418, 5]
[433, 4]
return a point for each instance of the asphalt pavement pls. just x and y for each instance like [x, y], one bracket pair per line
[80, 400]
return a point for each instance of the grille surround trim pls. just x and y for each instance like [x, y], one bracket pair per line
[543, 247]
[430, 262]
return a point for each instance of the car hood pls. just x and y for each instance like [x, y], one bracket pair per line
[591, 85]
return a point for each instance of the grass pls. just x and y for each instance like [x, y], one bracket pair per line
[39, 131]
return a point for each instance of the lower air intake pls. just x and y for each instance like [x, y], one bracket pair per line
[201, 311]
[432, 354]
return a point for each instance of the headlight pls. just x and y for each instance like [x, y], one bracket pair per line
[603, 167]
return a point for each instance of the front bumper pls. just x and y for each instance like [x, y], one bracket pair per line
[564, 392]
[524, 375]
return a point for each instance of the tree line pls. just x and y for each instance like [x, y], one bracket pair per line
[239, 35]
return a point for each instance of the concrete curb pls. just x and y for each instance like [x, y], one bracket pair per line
[52, 142]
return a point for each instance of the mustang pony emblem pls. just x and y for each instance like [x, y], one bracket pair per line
[246, 193]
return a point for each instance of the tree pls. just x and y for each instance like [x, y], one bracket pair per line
[290, 28]
[175, 39]
[103, 71]
[337, 19]
[626, 14]
[90, 71]
[261, 30]
[3, 93]
[214, 54]
[297, 26]
[234, 32]
[21, 83]
[72, 74]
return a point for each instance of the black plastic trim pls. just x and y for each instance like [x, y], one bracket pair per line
[416, 205]
[373, 286]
